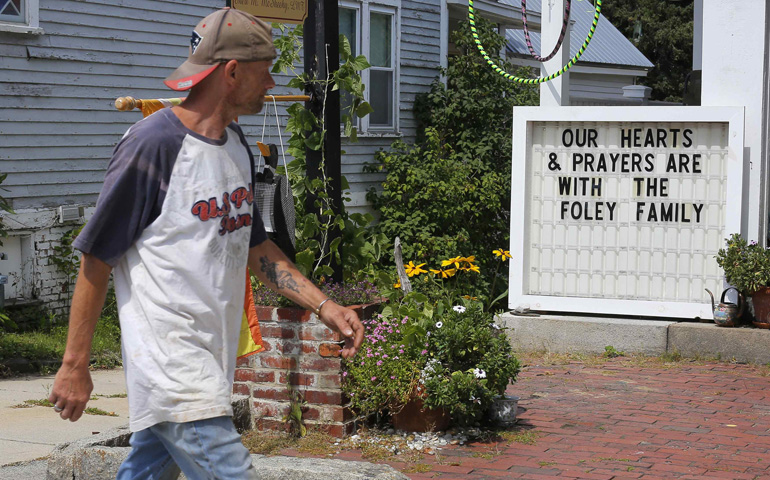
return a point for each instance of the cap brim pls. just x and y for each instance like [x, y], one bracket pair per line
[188, 75]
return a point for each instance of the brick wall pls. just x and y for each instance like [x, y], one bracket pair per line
[302, 352]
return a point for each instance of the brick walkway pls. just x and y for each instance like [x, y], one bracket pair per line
[625, 419]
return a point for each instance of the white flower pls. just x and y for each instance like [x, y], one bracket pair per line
[459, 309]
[479, 373]
[439, 324]
[496, 326]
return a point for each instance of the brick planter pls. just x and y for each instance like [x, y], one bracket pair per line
[302, 352]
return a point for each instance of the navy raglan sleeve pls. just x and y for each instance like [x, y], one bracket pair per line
[134, 188]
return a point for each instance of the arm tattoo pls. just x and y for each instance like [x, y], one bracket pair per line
[281, 279]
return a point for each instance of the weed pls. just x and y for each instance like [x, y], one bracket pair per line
[114, 395]
[293, 419]
[43, 402]
[669, 357]
[266, 443]
[99, 411]
[612, 352]
[526, 437]
[546, 464]
[418, 468]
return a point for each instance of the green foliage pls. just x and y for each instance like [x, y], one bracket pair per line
[469, 363]
[65, 257]
[746, 265]
[383, 375]
[5, 206]
[358, 249]
[293, 418]
[450, 192]
[666, 40]
[612, 352]
[43, 348]
[458, 360]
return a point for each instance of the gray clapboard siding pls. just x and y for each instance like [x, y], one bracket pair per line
[58, 125]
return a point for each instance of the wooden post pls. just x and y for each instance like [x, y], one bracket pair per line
[321, 45]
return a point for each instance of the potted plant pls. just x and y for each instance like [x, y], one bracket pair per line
[434, 356]
[747, 268]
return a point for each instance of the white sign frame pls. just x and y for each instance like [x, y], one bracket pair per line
[525, 117]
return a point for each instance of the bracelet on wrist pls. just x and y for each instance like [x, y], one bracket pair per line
[318, 309]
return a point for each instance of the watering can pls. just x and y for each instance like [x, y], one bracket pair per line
[727, 314]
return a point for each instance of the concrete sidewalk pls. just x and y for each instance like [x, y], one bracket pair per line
[32, 432]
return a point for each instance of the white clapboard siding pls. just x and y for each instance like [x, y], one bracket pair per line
[58, 124]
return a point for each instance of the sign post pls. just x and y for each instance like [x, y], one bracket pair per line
[622, 210]
[279, 11]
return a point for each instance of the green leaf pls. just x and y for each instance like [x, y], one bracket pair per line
[364, 109]
[345, 51]
[360, 63]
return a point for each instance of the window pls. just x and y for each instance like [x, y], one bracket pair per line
[19, 16]
[370, 29]
[12, 11]
[381, 84]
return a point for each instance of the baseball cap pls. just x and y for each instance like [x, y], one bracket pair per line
[224, 35]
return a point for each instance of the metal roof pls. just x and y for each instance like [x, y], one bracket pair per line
[608, 45]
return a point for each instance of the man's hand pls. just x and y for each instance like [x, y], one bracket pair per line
[71, 390]
[72, 386]
[345, 321]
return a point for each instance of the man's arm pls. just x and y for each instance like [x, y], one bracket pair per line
[275, 270]
[72, 386]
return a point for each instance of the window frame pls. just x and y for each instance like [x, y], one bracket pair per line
[393, 12]
[355, 6]
[364, 9]
[31, 22]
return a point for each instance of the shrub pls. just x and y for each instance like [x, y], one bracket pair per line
[450, 191]
[746, 265]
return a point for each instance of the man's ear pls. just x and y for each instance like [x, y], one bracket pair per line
[231, 70]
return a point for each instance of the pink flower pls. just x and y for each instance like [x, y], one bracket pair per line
[379, 362]
[392, 377]
[374, 378]
[423, 352]
[344, 374]
[385, 356]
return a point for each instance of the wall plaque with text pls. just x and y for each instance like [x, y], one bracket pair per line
[278, 11]
[621, 210]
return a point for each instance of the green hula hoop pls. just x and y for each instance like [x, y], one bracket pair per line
[513, 78]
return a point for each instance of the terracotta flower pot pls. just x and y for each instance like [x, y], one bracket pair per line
[414, 417]
[761, 301]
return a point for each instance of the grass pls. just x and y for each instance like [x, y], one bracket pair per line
[525, 437]
[41, 349]
[316, 442]
[99, 411]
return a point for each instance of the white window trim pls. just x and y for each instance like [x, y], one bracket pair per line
[390, 8]
[357, 7]
[32, 24]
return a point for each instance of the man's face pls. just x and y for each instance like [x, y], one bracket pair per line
[255, 81]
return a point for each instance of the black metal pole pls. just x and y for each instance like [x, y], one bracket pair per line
[321, 45]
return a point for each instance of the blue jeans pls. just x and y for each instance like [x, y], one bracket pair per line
[208, 449]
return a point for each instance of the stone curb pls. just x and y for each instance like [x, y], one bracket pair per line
[98, 458]
[570, 334]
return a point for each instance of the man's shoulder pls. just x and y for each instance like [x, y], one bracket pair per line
[153, 133]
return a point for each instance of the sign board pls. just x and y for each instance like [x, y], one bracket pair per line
[621, 210]
[279, 11]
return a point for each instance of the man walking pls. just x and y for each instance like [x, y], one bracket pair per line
[176, 222]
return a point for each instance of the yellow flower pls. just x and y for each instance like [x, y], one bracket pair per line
[397, 284]
[444, 273]
[502, 254]
[473, 268]
[412, 269]
[468, 297]
[455, 260]
[470, 259]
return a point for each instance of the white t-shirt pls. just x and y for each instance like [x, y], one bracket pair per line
[175, 219]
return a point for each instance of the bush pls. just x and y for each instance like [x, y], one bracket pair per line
[460, 361]
[746, 265]
[344, 293]
[450, 191]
